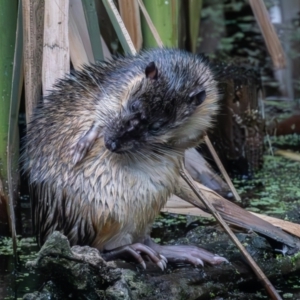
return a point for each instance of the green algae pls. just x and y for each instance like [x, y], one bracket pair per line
[275, 189]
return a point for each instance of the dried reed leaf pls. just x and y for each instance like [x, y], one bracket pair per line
[78, 52]
[33, 24]
[271, 39]
[130, 14]
[80, 45]
[221, 168]
[289, 154]
[179, 206]
[106, 52]
[119, 27]
[287, 226]
[56, 54]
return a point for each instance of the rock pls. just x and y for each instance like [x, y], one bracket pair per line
[81, 273]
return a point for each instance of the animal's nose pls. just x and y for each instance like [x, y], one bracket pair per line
[134, 122]
[112, 145]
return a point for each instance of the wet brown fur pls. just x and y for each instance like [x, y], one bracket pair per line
[108, 199]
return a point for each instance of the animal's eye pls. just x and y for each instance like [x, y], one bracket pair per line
[197, 97]
[134, 106]
[154, 127]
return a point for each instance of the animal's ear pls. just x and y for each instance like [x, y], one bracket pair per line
[197, 96]
[151, 71]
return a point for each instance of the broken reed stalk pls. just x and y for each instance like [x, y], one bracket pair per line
[56, 54]
[33, 24]
[207, 141]
[259, 273]
[76, 12]
[130, 13]
[221, 168]
[177, 205]
[78, 53]
[268, 31]
[119, 27]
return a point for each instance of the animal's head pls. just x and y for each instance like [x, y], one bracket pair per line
[170, 106]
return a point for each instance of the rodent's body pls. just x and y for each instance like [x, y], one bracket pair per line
[103, 149]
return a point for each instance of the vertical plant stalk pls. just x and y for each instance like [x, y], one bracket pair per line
[13, 133]
[8, 21]
[78, 53]
[194, 22]
[91, 18]
[221, 168]
[268, 31]
[130, 13]
[165, 17]
[119, 27]
[152, 28]
[56, 54]
[77, 13]
[33, 24]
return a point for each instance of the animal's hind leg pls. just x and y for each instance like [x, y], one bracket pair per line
[136, 251]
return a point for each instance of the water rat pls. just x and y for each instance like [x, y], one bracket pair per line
[103, 149]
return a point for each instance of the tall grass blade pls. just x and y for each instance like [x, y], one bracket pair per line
[13, 133]
[93, 28]
[194, 23]
[8, 22]
[150, 24]
[165, 17]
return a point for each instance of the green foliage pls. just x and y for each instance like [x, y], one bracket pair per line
[26, 248]
[234, 35]
[275, 189]
[167, 220]
[165, 17]
[8, 22]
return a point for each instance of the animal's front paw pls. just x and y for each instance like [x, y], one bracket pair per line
[190, 254]
[79, 151]
[84, 144]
